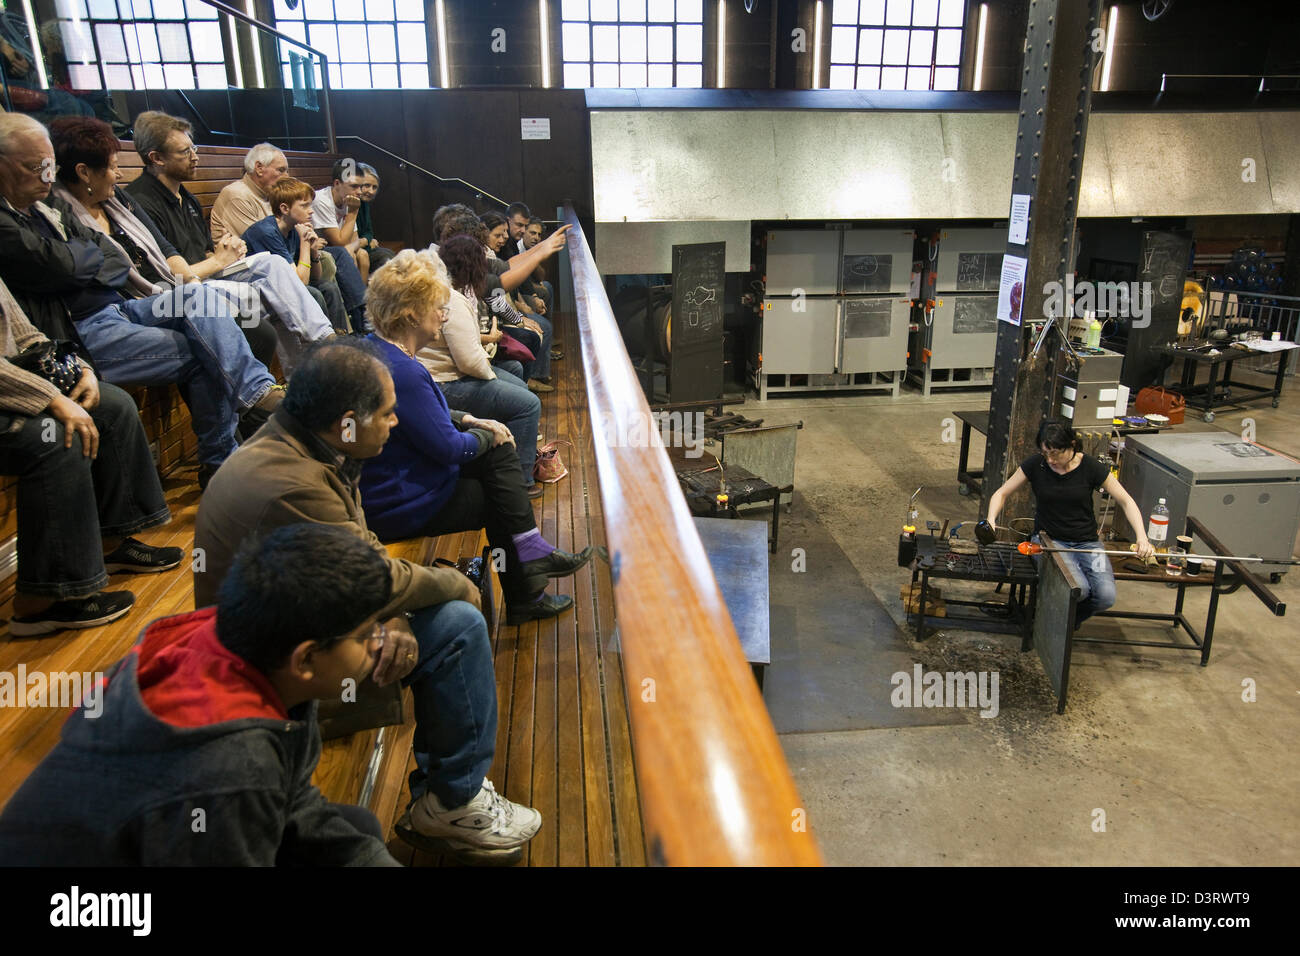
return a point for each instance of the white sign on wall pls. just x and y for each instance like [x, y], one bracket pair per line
[531, 127]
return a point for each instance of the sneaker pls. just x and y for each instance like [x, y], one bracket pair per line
[489, 829]
[137, 557]
[77, 613]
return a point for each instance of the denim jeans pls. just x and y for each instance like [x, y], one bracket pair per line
[330, 299]
[67, 502]
[547, 293]
[542, 367]
[354, 290]
[455, 691]
[296, 317]
[505, 399]
[189, 337]
[1098, 577]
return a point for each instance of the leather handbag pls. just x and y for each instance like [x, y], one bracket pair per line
[510, 347]
[549, 467]
[56, 362]
[1161, 401]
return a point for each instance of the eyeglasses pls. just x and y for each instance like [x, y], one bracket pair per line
[1058, 452]
[186, 151]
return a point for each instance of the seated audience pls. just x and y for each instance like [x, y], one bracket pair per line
[244, 202]
[170, 160]
[461, 366]
[367, 190]
[77, 285]
[445, 471]
[215, 711]
[514, 321]
[304, 466]
[86, 482]
[517, 218]
[542, 287]
[287, 234]
[334, 217]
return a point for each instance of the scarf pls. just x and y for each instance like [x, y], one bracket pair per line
[118, 213]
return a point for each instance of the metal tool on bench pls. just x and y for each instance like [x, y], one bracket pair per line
[1028, 547]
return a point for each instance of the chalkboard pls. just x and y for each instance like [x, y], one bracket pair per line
[1162, 267]
[699, 282]
[979, 271]
[974, 314]
[867, 274]
[868, 318]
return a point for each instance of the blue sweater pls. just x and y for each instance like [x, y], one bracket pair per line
[265, 236]
[415, 475]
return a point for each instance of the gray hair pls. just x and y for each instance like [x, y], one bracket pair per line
[365, 169]
[13, 125]
[261, 153]
[152, 129]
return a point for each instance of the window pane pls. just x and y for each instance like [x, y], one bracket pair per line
[842, 43]
[349, 10]
[574, 9]
[77, 45]
[296, 30]
[899, 13]
[872, 12]
[71, 8]
[352, 43]
[945, 78]
[661, 74]
[896, 46]
[84, 77]
[660, 11]
[178, 76]
[690, 44]
[282, 13]
[844, 11]
[893, 78]
[336, 75]
[631, 11]
[383, 45]
[212, 76]
[410, 10]
[918, 78]
[691, 11]
[577, 76]
[868, 77]
[119, 77]
[325, 38]
[383, 76]
[949, 49]
[631, 44]
[135, 9]
[318, 9]
[356, 76]
[142, 43]
[140, 82]
[575, 41]
[197, 10]
[631, 74]
[205, 39]
[922, 45]
[925, 13]
[690, 75]
[112, 48]
[871, 46]
[415, 76]
[604, 43]
[841, 78]
[167, 10]
[103, 10]
[660, 45]
[412, 44]
[605, 74]
[379, 10]
[950, 13]
[604, 10]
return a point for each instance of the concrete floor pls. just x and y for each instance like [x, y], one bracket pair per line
[1164, 753]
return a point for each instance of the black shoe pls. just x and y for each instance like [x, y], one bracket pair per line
[548, 605]
[535, 490]
[81, 612]
[557, 564]
[137, 557]
[205, 475]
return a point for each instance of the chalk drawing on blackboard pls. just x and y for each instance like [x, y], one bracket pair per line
[700, 295]
[979, 271]
[975, 314]
[868, 318]
[867, 273]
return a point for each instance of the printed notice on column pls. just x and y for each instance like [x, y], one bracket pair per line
[531, 127]
[1011, 290]
[1018, 230]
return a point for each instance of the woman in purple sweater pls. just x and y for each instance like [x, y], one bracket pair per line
[445, 471]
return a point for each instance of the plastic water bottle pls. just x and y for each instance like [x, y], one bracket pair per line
[1093, 337]
[1158, 526]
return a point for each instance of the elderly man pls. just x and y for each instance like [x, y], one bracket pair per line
[304, 465]
[244, 202]
[170, 160]
[72, 281]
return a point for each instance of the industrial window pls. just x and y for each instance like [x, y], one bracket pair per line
[896, 44]
[371, 44]
[136, 45]
[627, 43]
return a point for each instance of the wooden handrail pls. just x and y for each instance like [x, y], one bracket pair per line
[715, 788]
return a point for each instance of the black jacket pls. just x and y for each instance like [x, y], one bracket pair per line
[42, 273]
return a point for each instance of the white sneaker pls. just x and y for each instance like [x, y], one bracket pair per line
[488, 822]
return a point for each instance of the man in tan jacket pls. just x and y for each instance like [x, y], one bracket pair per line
[303, 466]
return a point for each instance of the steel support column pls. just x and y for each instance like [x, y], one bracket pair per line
[1061, 47]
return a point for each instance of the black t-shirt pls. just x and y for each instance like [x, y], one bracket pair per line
[1064, 502]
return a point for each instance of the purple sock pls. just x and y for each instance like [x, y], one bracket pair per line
[531, 545]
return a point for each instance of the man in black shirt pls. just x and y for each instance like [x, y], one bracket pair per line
[1063, 480]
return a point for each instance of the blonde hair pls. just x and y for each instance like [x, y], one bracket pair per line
[404, 287]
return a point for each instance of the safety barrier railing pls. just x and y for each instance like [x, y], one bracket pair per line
[715, 788]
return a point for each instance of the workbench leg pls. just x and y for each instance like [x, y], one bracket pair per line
[1210, 388]
[1281, 375]
[776, 519]
[920, 607]
[963, 459]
